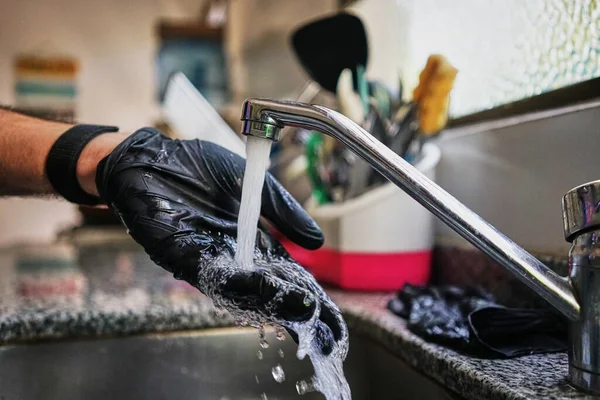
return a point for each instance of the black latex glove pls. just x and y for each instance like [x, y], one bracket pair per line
[180, 200]
[469, 320]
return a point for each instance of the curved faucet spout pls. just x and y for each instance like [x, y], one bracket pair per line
[265, 118]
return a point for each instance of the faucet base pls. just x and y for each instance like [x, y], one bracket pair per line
[584, 380]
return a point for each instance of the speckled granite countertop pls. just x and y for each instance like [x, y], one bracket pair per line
[530, 377]
[116, 291]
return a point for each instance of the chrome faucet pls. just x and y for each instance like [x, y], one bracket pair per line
[576, 296]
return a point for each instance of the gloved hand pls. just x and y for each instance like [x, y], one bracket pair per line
[180, 200]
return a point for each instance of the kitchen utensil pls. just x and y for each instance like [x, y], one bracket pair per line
[382, 97]
[193, 117]
[352, 105]
[400, 88]
[404, 131]
[327, 46]
[308, 93]
[339, 167]
[400, 135]
[376, 241]
[349, 102]
[362, 172]
[432, 94]
[313, 148]
[362, 87]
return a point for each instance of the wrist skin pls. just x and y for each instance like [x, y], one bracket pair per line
[26, 141]
[100, 147]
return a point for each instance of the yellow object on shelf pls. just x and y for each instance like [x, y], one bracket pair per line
[432, 94]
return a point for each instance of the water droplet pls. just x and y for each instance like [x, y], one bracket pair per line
[303, 387]
[254, 324]
[263, 396]
[219, 312]
[256, 379]
[160, 156]
[307, 301]
[280, 352]
[280, 333]
[261, 338]
[278, 373]
[259, 354]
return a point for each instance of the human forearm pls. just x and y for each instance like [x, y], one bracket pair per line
[24, 146]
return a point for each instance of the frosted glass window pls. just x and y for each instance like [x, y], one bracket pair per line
[506, 50]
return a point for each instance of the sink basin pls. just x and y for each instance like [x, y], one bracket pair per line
[212, 364]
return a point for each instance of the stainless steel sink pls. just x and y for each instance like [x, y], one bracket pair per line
[212, 364]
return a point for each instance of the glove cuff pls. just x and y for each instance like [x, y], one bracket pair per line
[61, 164]
[106, 165]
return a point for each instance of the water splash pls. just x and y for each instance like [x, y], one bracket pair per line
[280, 333]
[259, 354]
[261, 338]
[307, 300]
[303, 387]
[329, 376]
[160, 156]
[220, 313]
[264, 344]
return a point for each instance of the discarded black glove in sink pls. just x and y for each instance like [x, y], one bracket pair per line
[469, 320]
[179, 199]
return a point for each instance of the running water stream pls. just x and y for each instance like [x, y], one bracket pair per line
[257, 158]
[329, 376]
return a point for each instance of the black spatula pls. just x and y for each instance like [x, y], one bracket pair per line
[327, 46]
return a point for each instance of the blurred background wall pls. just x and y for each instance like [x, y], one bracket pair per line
[513, 172]
[116, 43]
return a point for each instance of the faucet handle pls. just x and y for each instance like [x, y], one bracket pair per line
[581, 209]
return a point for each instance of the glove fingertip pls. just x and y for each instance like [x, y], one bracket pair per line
[288, 216]
[312, 241]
